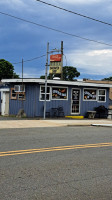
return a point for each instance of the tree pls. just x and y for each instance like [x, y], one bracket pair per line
[107, 79]
[7, 70]
[69, 73]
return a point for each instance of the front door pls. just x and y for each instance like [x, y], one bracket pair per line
[75, 104]
[5, 103]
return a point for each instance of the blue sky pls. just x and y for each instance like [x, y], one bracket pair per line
[23, 40]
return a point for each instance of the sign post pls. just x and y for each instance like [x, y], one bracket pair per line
[46, 80]
[56, 64]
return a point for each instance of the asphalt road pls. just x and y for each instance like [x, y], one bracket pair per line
[79, 167]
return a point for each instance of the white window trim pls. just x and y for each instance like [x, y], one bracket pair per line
[90, 99]
[44, 93]
[59, 99]
[102, 96]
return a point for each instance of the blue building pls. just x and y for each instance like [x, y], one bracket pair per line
[75, 97]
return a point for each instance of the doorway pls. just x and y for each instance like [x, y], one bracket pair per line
[4, 103]
[75, 101]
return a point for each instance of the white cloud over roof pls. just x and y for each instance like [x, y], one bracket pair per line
[97, 62]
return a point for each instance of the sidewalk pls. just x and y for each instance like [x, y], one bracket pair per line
[53, 123]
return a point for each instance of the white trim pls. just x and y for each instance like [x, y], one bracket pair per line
[102, 96]
[4, 90]
[90, 99]
[58, 82]
[97, 95]
[4, 104]
[79, 100]
[59, 99]
[44, 93]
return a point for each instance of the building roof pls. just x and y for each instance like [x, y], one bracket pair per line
[57, 82]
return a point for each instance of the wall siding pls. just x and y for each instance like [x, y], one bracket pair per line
[91, 105]
[33, 107]
[0, 102]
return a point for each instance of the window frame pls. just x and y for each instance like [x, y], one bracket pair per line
[59, 87]
[101, 95]
[11, 97]
[90, 99]
[20, 99]
[44, 93]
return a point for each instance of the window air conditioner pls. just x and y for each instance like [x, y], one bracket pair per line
[19, 88]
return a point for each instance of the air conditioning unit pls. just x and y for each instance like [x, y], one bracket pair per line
[19, 88]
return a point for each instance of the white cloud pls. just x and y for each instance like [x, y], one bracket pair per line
[12, 3]
[81, 1]
[18, 5]
[97, 62]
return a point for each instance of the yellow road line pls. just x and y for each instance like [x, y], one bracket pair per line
[59, 148]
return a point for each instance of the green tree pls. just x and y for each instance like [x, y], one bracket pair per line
[7, 70]
[107, 79]
[69, 73]
[42, 77]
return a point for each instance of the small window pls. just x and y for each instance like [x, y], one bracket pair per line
[21, 96]
[59, 93]
[102, 95]
[90, 94]
[42, 93]
[13, 94]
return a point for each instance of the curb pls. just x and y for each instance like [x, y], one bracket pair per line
[79, 125]
[102, 125]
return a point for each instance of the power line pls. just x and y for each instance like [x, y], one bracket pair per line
[81, 15]
[29, 60]
[56, 30]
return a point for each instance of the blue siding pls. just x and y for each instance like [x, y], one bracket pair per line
[0, 102]
[34, 108]
[53, 104]
[30, 102]
[91, 105]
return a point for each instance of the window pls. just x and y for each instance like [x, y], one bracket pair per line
[102, 95]
[13, 94]
[59, 93]
[42, 93]
[16, 95]
[21, 96]
[90, 94]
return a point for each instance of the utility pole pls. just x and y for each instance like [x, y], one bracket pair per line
[22, 85]
[62, 60]
[46, 69]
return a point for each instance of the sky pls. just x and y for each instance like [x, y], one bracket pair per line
[20, 40]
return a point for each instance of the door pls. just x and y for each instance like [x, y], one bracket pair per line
[5, 103]
[75, 104]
